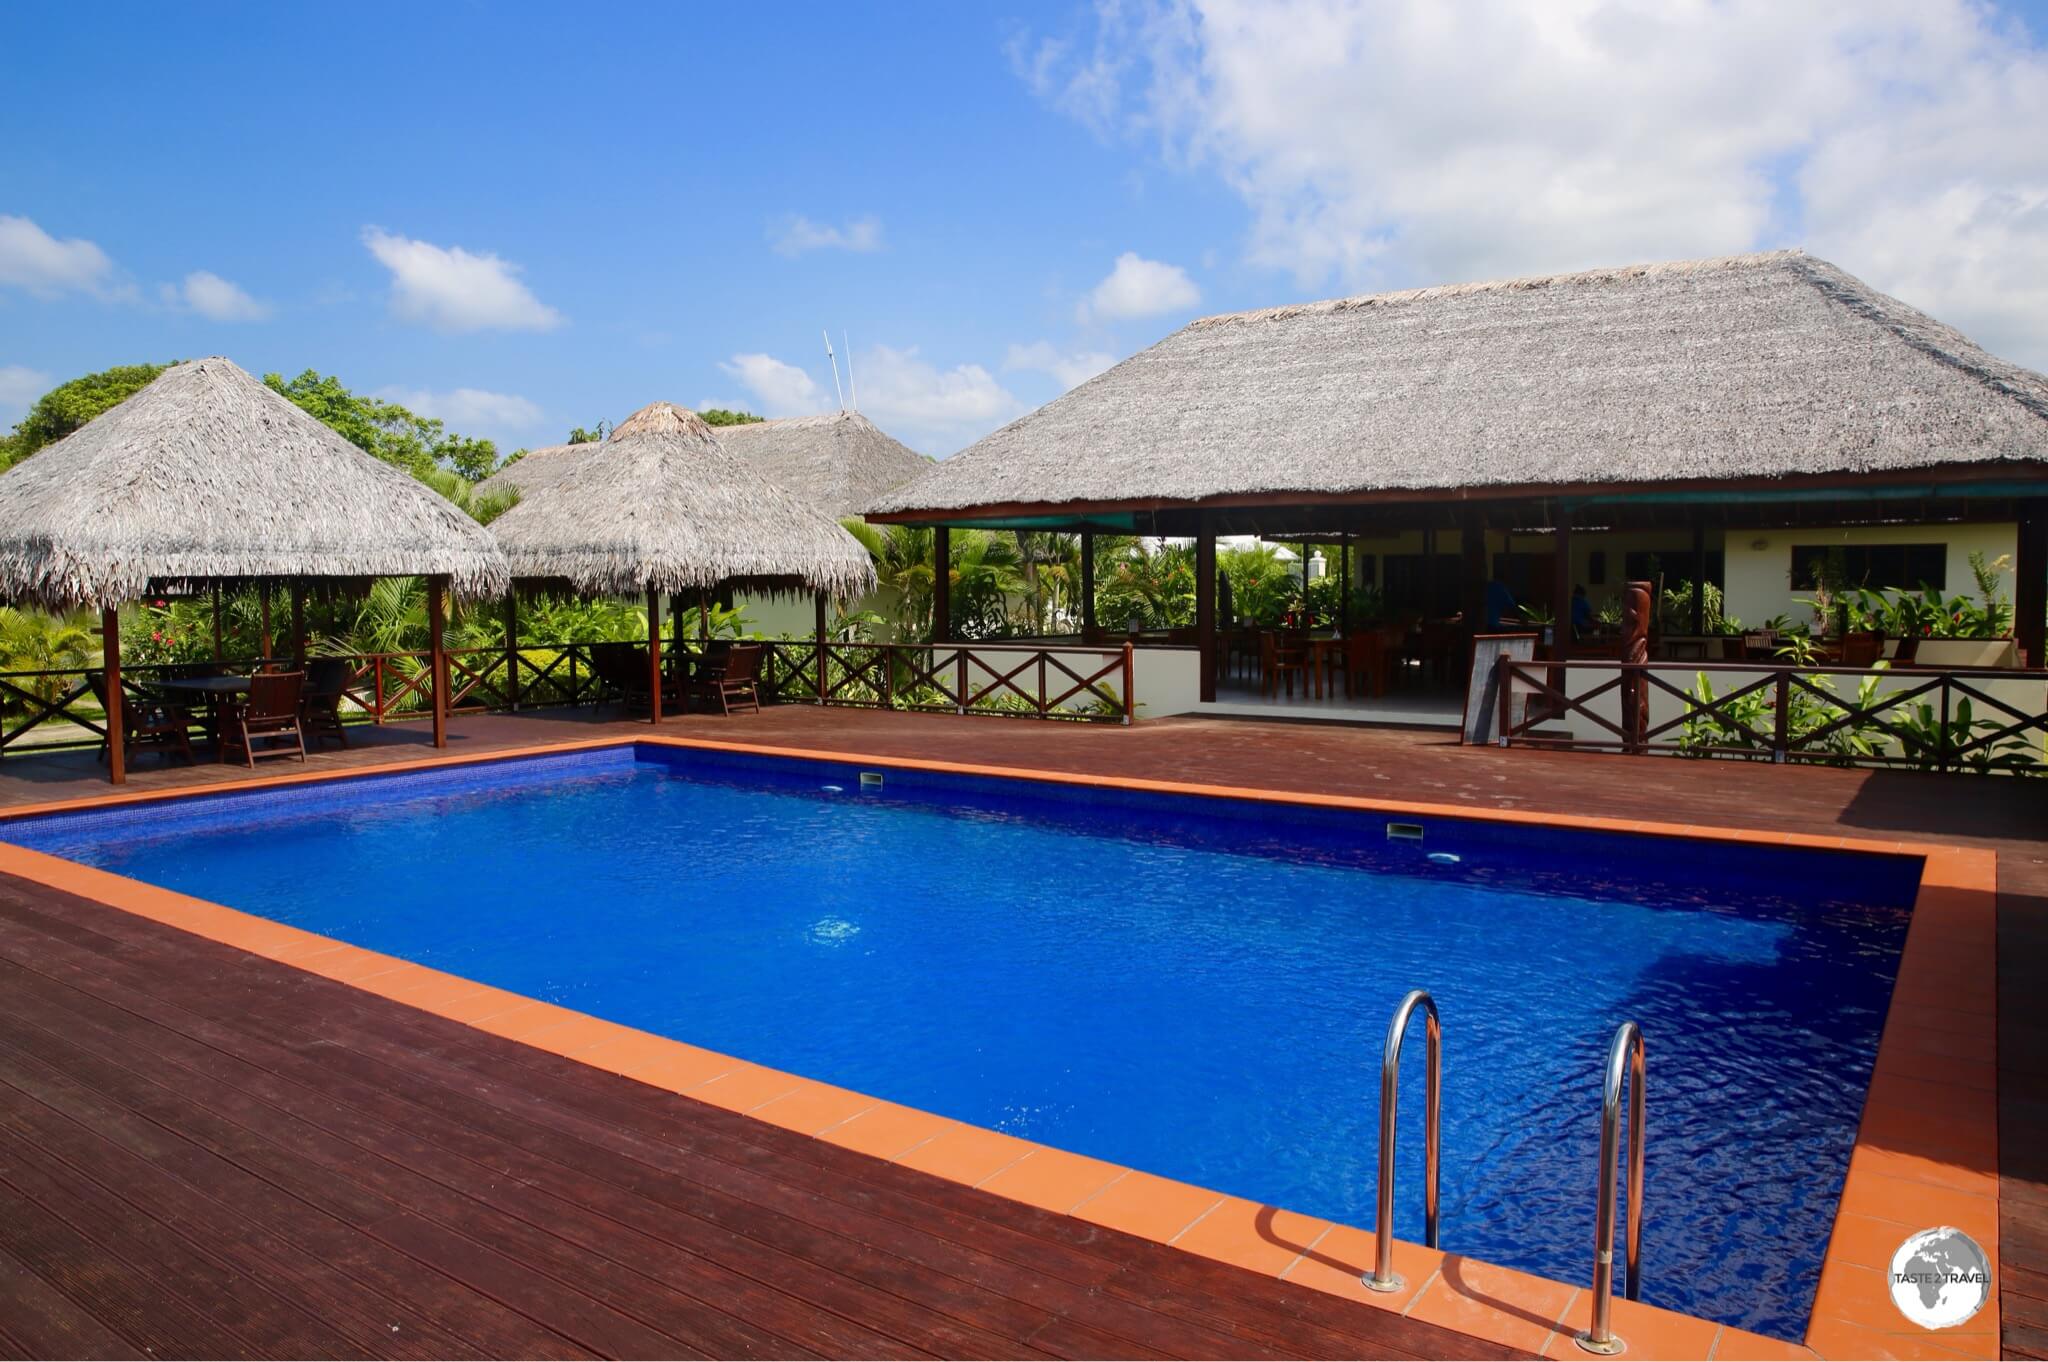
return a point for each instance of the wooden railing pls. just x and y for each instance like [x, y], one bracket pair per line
[54, 709]
[1963, 719]
[1082, 684]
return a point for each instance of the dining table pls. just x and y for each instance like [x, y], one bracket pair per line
[211, 693]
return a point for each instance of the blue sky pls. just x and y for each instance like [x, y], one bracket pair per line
[526, 217]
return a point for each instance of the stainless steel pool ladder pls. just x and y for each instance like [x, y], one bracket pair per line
[1383, 1277]
[1624, 1061]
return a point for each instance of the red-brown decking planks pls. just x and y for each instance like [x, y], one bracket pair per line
[2007, 816]
[204, 1153]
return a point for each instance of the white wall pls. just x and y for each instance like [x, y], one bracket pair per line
[1759, 582]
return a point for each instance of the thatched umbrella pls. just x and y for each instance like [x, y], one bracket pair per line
[206, 476]
[664, 509]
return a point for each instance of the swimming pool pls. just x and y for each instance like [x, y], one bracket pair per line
[1198, 988]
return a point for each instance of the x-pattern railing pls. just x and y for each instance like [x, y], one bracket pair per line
[1932, 719]
[56, 704]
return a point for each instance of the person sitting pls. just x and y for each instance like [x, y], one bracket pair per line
[1582, 613]
[1500, 602]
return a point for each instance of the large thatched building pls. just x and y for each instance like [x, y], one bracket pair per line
[1726, 416]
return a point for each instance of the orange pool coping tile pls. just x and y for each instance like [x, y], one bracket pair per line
[1053, 1179]
[1908, 1171]
[885, 1131]
[1148, 1206]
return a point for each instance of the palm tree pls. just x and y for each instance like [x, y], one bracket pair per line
[32, 641]
[985, 574]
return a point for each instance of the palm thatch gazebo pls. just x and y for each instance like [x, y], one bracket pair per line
[664, 509]
[839, 461]
[208, 478]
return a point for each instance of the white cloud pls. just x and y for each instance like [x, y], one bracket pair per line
[213, 297]
[1070, 370]
[1138, 287]
[795, 235]
[1418, 141]
[32, 259]
[451, 289]
[467, 410]
[928, 405]
[19, 386]
[781, 389]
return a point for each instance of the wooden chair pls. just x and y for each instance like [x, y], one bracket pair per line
[320, 705]
[144, 723]
[269, 717]
[1281, 659]
[1365, 663]
[729, 678]
[621, 670]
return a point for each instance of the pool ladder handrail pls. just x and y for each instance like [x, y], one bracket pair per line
[1383, 1277]
[1624, 1062]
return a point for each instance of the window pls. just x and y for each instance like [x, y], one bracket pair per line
[1596, 568]
[1405, 580]
[1877, 566]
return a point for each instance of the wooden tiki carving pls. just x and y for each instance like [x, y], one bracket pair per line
[1635, 647]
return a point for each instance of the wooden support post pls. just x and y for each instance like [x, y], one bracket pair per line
[437, 654]
[117, 731]
[512, 647]
[265, 593]
[653, 655]
[1561, 588]
[298, 627]
[1429, 572]
[942, 584]
[1087, 586]
[2030, 584]
[1205, 605]
[1699, 578]
[824, 656]
[218, 655]
[703, 617]
[1344, 583]
[1474, 572]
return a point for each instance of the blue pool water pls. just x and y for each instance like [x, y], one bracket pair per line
[1196, 988]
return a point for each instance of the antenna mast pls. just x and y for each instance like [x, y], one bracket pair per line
[834, 360]
[851, 386]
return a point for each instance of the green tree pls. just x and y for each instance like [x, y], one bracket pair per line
[580, 436]
[68, 406]
[719, 416]
[392, 433]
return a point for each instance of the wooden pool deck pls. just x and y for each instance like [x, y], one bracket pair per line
[206, 1152]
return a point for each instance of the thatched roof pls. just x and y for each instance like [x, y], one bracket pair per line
[839, 461]
[538, 468]
[664, 504]
[208, 475]
[1750, 367]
